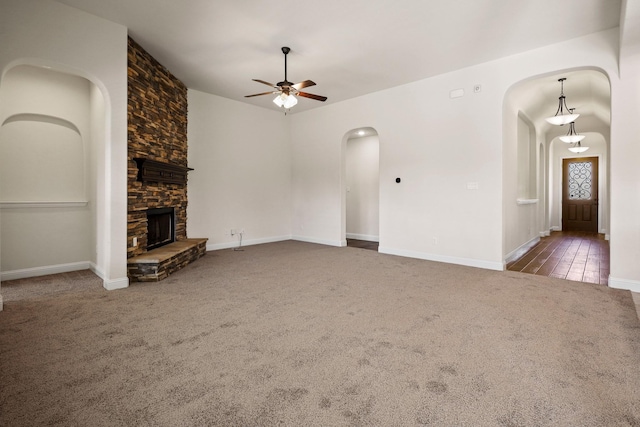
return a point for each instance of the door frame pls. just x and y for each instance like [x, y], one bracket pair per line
[563, 189]
[372, 131]
[556, 152]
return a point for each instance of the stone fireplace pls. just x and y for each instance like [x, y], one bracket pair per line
[157, 178]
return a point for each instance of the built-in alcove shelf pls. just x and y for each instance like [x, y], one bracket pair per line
[526, 201]
[154, 171]
[43, 204]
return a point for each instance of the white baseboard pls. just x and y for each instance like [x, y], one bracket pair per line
[630, 285]
[523, 249]
[44, 271]
[250, 242]
[110, 284]
[367, 237]
[25, 273]
[339, 243]
[96, 270]
[556, 228]
[113, 284]
[488, 265]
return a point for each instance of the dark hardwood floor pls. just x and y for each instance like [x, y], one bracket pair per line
[579, 256]
[362, 244]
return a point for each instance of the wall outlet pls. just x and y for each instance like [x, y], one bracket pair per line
[135, 242]
[233, 231]
[435, 240]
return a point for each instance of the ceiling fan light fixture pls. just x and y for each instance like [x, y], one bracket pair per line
[290, 101]
[284, 100]
[561, 117]
[279, 100]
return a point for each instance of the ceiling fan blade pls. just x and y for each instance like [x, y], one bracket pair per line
[303, 84]
[265, 83]
[312, 96]
[258, 94]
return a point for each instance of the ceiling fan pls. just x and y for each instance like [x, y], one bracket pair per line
[286, 90]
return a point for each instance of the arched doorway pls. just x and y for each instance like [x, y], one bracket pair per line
[361, 203]
[528, 220]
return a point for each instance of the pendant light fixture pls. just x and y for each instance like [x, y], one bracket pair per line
[561, 117]
[572, 135]
[577, 148]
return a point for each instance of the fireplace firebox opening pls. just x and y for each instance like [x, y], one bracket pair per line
[160, 227]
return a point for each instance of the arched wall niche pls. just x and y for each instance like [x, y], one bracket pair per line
[25, 117]
[42, 159]
[52, 144]
[59, 68]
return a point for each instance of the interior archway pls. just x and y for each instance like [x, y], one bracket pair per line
[586, 90]
[361, 187]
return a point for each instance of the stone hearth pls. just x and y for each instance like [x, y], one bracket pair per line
[157, 264]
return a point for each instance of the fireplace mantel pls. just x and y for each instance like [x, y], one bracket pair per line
[154, 171]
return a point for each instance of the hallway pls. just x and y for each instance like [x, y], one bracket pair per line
[362, 244]
[578, 256]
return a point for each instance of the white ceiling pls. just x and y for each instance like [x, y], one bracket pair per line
[349, 48]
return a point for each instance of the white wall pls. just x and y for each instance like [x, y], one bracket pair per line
[521, 202]
[44, 141]
[96, 173]
[625, 179]
[241, 156]
[544, 226]
[439, 147]
[363, 185]
[431, 213]
[42, 32]
[527, 156]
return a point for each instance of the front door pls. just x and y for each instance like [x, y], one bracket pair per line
[580, 194]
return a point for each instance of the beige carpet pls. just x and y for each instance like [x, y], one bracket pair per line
[298, 334]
